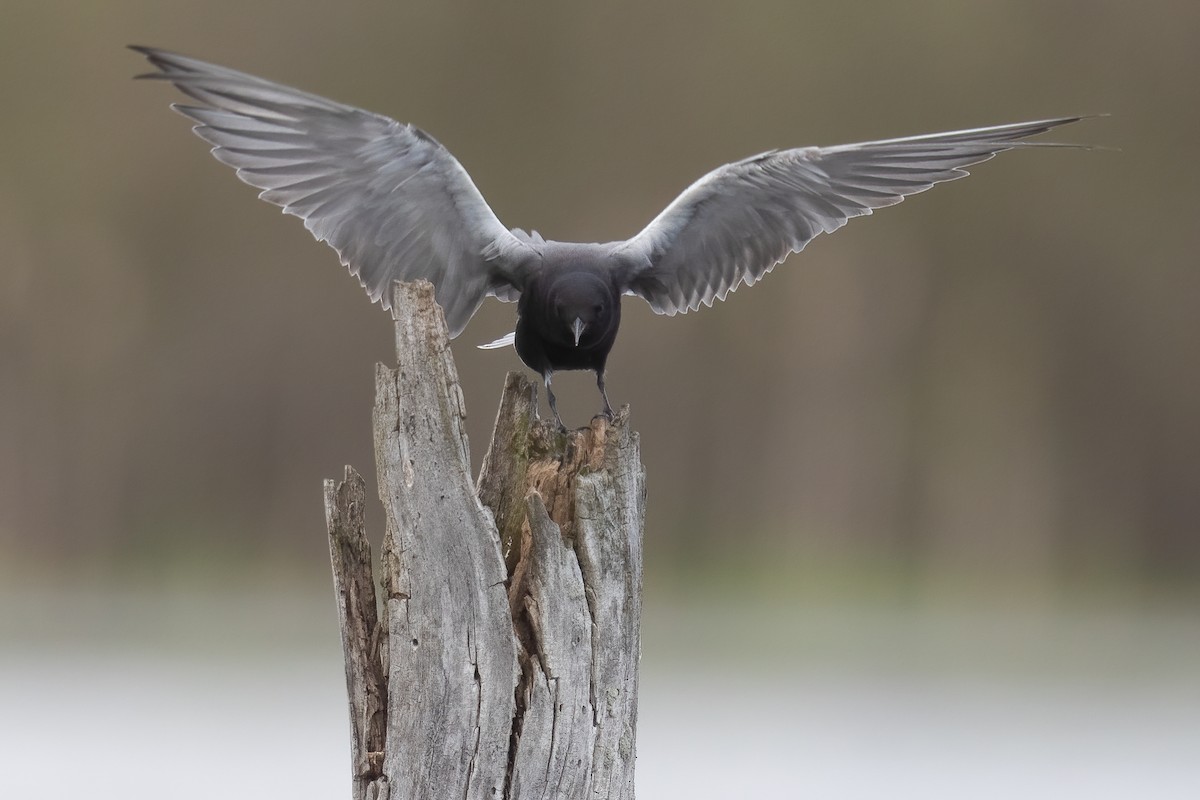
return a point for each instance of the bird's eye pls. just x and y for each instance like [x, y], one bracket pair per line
[597, 308]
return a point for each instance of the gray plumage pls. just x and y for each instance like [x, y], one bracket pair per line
[396, 205]
[391, 201]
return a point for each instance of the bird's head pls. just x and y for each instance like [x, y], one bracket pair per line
[582, 308]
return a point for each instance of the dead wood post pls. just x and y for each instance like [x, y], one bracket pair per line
[503, 662]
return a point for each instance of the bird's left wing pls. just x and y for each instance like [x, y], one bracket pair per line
[391, 201]
[737, 222]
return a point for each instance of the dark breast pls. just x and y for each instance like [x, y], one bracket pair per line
[545, 342]
[590, 354]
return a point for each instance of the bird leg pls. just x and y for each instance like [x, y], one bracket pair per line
[608, 412]
[553, 405]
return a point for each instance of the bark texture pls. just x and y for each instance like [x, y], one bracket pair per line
[505, 665]
[362, 636]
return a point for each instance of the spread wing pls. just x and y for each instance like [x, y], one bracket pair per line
[391, 201]
[737, 222]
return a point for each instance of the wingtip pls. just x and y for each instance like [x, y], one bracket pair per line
[158, 58]
[1059, 121]
[1078, 118]
[154, 54]
[148, 52]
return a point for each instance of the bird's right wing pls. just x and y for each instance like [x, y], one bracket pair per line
[737, 222]
[391, 201]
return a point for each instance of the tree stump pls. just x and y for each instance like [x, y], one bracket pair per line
[503, 662]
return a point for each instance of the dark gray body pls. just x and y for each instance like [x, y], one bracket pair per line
[571, 286]
[547, 346]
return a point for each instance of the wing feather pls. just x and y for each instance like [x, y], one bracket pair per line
[737, 222]
[391, 201]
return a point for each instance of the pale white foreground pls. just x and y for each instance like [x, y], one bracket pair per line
[851, 704]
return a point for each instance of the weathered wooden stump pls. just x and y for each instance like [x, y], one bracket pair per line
[503, 663]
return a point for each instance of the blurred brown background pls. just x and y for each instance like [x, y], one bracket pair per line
[990, 391]
[1001, 373]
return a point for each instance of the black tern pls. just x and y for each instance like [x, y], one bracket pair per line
[396, 205]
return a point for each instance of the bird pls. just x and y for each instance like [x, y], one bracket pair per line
[397, 206]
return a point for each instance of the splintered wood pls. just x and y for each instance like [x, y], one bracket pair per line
[505, 662]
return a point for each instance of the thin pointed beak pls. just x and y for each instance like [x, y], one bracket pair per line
[577, 326]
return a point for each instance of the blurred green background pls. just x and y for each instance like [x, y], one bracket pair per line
[965, 429]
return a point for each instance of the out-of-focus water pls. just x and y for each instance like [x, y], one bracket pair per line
[231, 699]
